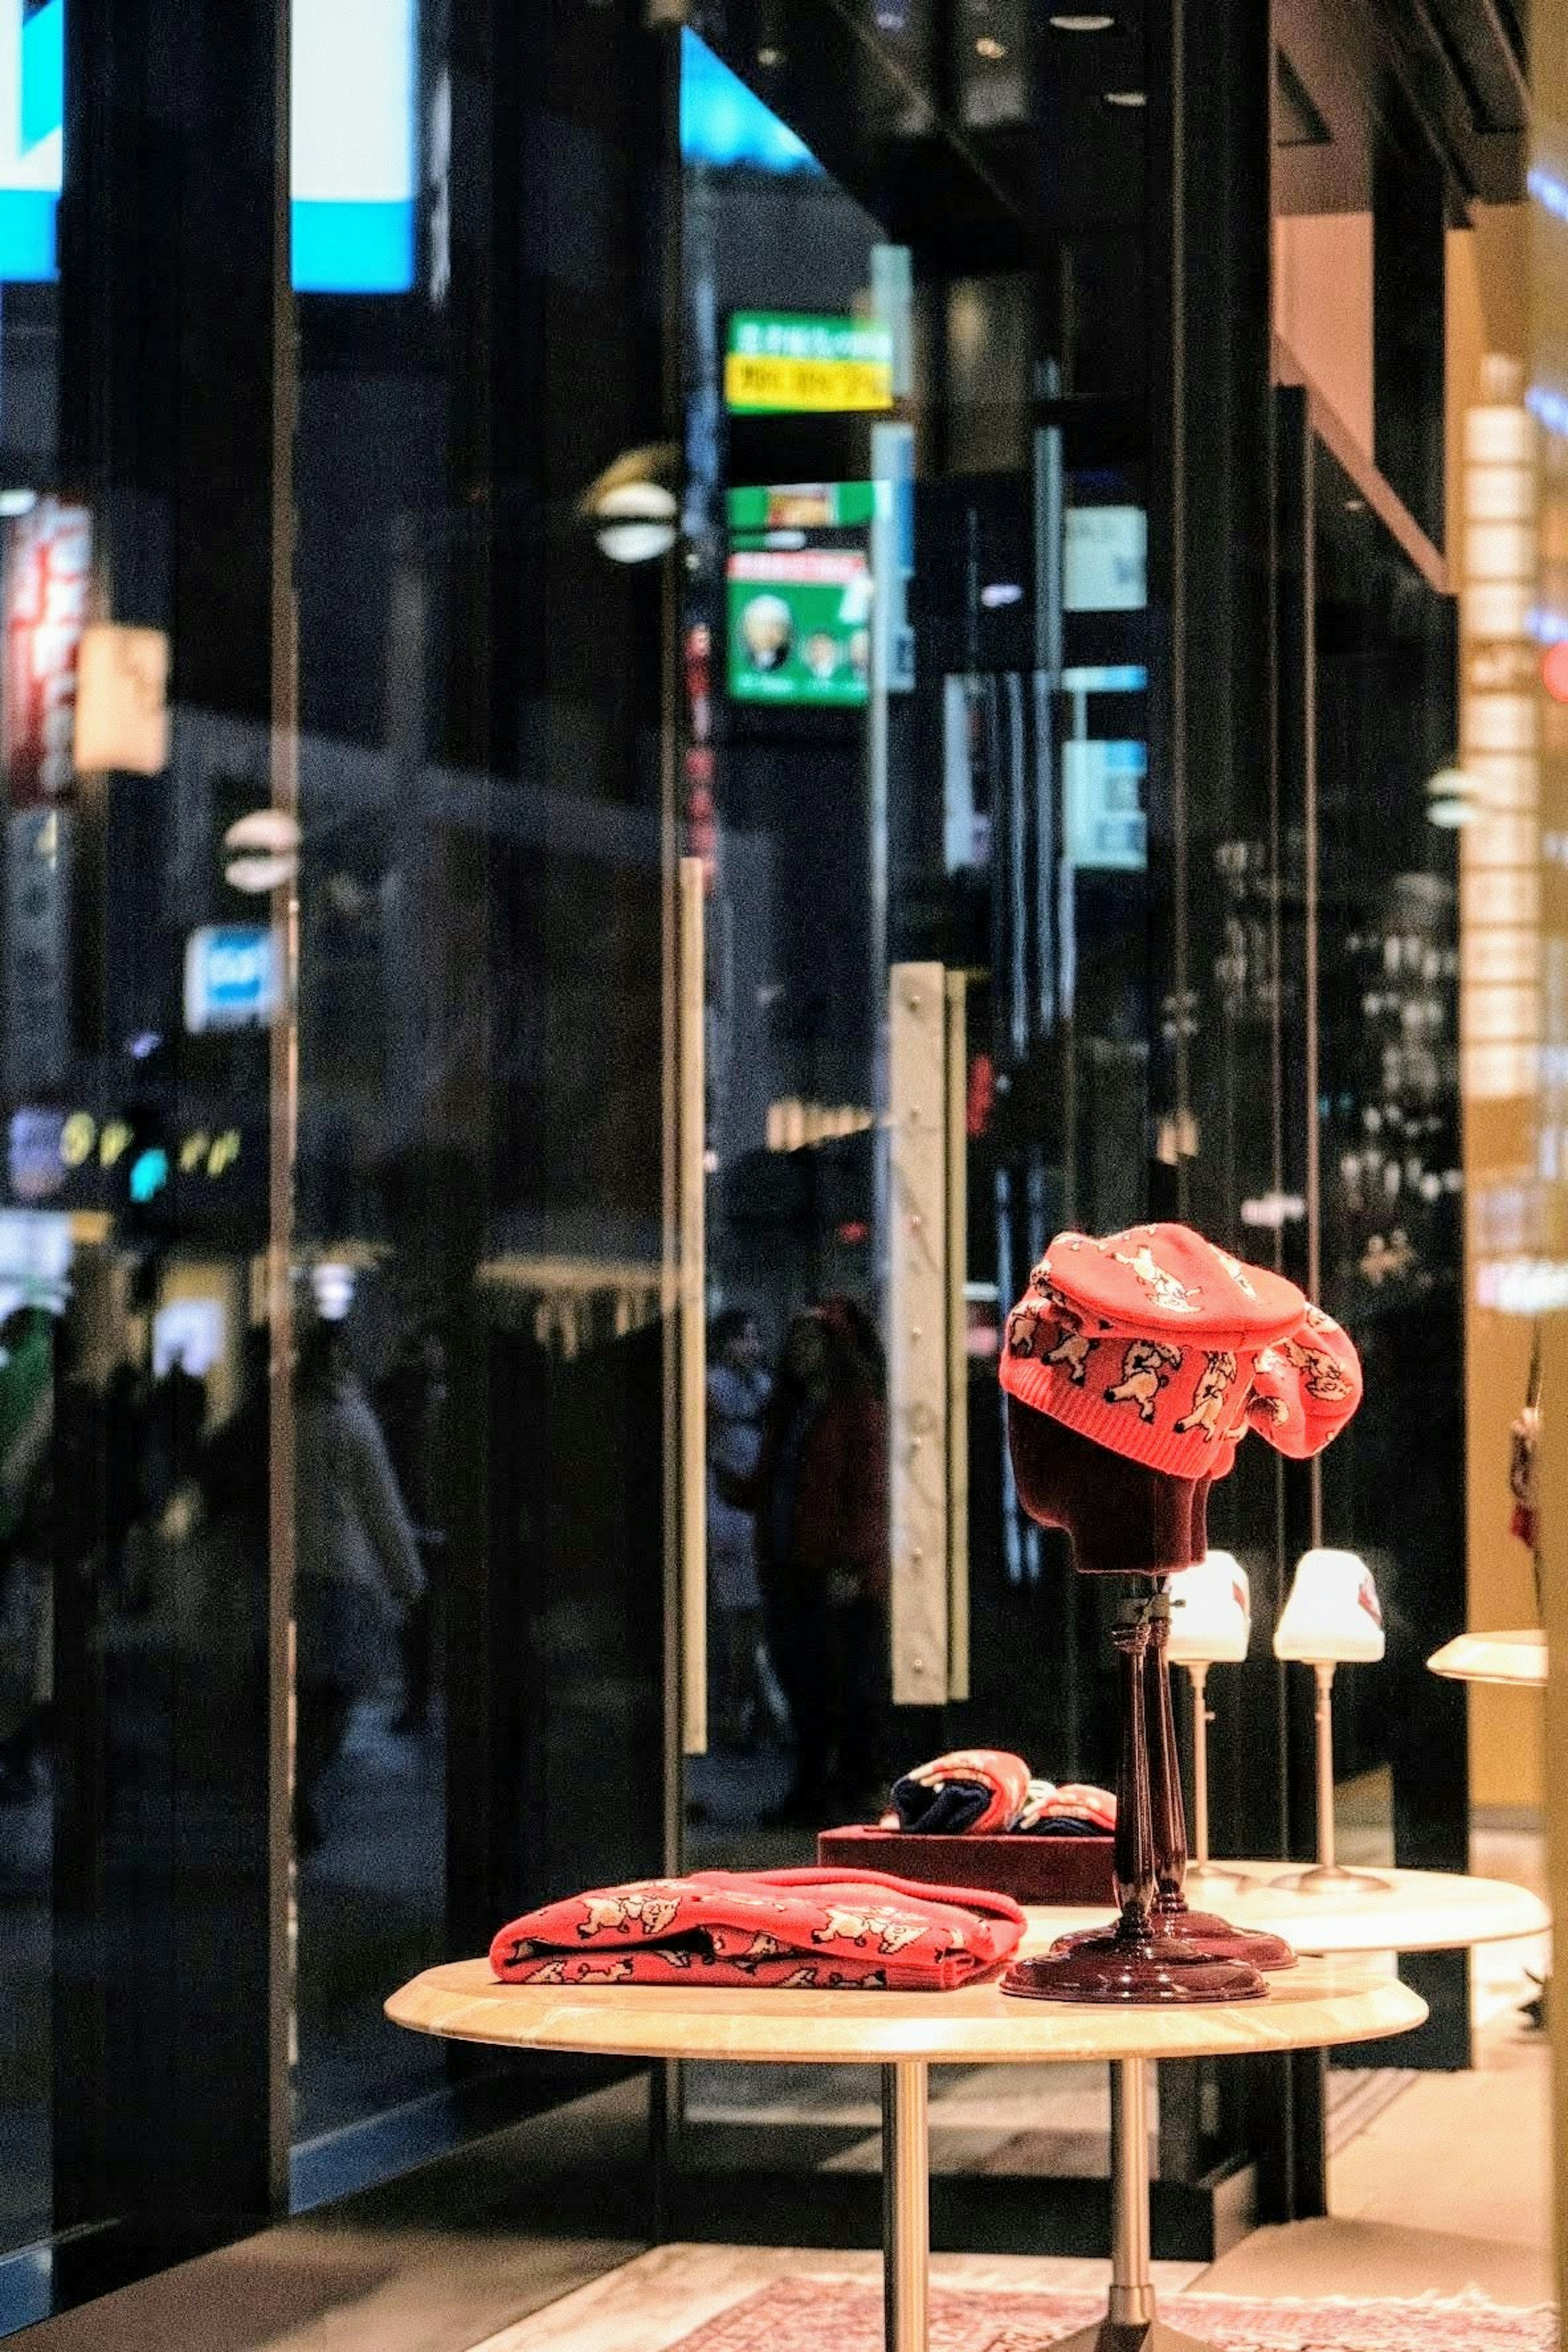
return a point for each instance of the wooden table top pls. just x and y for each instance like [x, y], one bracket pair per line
[1413, 1911]
[1313, 2006]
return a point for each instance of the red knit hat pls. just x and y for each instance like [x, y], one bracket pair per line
[1159, 1346]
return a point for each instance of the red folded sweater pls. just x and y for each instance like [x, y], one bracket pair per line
[810, 1928]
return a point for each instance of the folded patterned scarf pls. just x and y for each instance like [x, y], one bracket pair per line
[815, 1930]
[971, 1792]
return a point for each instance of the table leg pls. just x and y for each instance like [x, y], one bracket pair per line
[905, 2207]
[1131, 2323]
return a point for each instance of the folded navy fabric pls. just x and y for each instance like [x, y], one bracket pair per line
[986, 1793]
[971, 1792]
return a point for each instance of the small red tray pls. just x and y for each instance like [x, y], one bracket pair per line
[1030, 1869]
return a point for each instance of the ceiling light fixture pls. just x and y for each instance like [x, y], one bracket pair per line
[1126, 98]
[1080, 20]
[992, 51]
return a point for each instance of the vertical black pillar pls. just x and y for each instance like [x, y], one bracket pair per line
[170, 2054]
[1214, 855]
[560, 321]
[1408, 251]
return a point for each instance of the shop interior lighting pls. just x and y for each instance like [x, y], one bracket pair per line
[17, 502]
[1550, 192]
[991, 50]
[1453, 799]
[1129, 98]
[263, 851]
[997, 593]
[1550, 408]
[1080, 20]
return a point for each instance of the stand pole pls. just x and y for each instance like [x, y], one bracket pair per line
[1202, 1718]
[1131, 2280]
[1324, 1673]
[905, 2207]
[1326, 1876]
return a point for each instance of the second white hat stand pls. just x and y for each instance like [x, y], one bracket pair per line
[1331, 1618]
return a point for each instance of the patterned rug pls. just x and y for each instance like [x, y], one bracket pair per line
[835, 2315]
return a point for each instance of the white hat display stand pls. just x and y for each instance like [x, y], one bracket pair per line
[1211, 1624]
[1331, 1618]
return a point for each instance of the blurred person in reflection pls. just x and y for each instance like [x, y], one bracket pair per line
[356, 1563]
[738, 1390]
[26, 1428]
[411, 1401]
[820, 1496]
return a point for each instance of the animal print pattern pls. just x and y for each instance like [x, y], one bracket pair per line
[1163, 1289]
[1214, 1384]
[798, 1927]
[1322, 1376]
[1073, 1350]
[1146, 1369]
[884, 1928]
[649, 1909]
[1179, 1345]
[1237, 1274]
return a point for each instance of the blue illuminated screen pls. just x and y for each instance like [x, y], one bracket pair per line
[354, 165]
[724, 122]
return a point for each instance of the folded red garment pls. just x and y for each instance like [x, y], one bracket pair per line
[816, 1929]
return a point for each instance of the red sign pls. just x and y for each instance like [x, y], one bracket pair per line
[48, 563]
[1554, 670]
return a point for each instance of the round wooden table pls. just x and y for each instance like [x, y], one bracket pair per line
[1318, 2003]
[1401, 1911]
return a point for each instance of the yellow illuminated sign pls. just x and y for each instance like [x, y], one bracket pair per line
[825, 386]
[781, 361]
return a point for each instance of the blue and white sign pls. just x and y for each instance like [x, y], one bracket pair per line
[1105, 559]
[1106, 828]
[354, 171]
[231, 977]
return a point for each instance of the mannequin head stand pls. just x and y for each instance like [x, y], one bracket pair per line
[1126, 1519]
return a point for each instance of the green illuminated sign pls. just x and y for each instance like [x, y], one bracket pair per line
[785, 360]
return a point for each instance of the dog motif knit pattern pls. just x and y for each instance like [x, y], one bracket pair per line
[819, 1930]
[1164, 1348]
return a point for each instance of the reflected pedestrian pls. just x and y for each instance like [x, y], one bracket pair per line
[738, 1392]
[820, 1496]
[357, 1564]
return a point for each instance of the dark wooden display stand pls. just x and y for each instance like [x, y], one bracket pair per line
[1126, 1520]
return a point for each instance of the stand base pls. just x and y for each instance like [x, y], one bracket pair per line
[1213, 1877]
[1214, 1938]
[1145, 2336]
[1330, 1878]
[1160, 1972]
